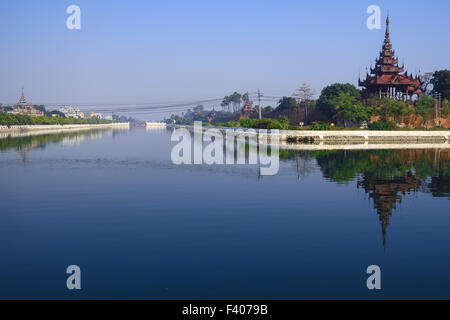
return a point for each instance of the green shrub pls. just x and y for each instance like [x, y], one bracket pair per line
[229, 124]
[283, 119]
[270, 124]
[382, 125]
[18, 120]
[248, 123]
[320, 125]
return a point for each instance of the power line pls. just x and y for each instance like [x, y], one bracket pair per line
[152, 107]
[438, 108]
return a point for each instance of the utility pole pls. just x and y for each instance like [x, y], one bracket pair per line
[438, 108]
[259, 104]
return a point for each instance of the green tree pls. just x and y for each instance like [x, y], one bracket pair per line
[236, 99]
[287, 103]
[304, 96]
[401, 109]
[347, 108]
[226, 103]
[424, 106]
[331, 92]
[445, 107]
[426, 81]
[441, 83]
[268, 109]
[283, 119]
[386, 108]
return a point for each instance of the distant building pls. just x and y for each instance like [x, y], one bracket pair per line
[109, 118]
[23, 107]
[156, 124]
[72, 112]
[94, 115]
[248, 109]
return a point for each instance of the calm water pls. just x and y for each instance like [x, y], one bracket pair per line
[140, 227]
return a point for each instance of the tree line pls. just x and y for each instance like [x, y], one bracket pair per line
[341, 103]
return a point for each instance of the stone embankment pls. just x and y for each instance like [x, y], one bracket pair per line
[346, 136]
[28, 130]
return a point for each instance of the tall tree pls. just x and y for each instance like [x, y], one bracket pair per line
[426, 80]
[226, 103]
[287, 103]
[331, 92]
[424, 106]
[386, 108]
[441, 83]
[304, 96]
[347, 108]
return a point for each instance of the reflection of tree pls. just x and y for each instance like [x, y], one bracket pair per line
[304, 163]
[440, 182]
[26, 144]
[387, 175]
[374, 165]
[440, 186]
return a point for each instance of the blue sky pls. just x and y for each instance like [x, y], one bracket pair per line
[168, 51]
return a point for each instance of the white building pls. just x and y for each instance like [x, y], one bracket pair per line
[72, 112]
[96, 115]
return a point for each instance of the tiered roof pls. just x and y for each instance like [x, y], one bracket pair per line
[22, 101]
[387, 72]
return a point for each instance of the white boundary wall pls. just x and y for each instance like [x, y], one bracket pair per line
[348, 135]
[6, 131]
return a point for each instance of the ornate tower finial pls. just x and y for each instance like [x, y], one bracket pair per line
[387, 27]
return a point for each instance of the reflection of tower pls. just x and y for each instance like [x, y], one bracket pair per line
[386, 193]
[386, 175]
[26, 147]
[23, 154]
[304, 164]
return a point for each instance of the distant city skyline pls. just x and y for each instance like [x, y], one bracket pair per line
[171, 51]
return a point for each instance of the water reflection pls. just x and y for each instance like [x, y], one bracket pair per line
[386, 176]
[26, 144]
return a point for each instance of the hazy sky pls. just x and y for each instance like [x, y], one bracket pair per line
[169, 51]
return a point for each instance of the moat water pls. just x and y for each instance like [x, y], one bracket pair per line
[113, 203]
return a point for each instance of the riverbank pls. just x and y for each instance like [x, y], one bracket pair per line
[347, 136]
[28, 130]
